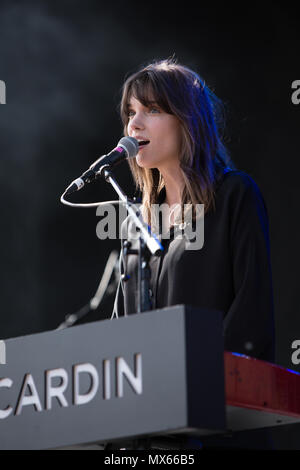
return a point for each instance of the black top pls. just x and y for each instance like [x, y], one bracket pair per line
[231, 272]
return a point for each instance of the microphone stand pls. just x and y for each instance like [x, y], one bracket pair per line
[148, 244]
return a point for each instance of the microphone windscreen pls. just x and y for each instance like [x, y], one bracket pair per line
[131, 145]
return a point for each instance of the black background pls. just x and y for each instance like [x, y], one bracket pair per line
[64, 64]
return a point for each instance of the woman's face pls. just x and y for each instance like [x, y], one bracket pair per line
[161, 130]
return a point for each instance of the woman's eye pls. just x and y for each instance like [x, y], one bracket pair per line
[155, 110]
[130, 113]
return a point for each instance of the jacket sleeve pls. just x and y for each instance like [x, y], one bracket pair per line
[249, 322]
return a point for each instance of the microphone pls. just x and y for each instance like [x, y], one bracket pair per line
[127, 147]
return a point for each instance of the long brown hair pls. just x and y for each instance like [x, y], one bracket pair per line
[180, 91]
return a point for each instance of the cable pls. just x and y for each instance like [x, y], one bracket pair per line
[89, 204]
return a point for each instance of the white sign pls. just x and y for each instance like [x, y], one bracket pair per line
[2, 352]
[2, 92]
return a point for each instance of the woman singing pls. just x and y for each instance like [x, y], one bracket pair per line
[182, 161]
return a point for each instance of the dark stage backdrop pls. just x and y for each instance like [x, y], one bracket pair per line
[63, 64]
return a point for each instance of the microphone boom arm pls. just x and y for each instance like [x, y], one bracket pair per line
[147, 240]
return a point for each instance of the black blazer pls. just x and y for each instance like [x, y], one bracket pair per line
[230, 273]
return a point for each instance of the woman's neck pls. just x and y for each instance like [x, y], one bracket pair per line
[174, 185]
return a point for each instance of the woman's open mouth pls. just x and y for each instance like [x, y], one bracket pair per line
[143, 143]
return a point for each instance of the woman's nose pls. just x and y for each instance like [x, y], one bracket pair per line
[137, 122]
